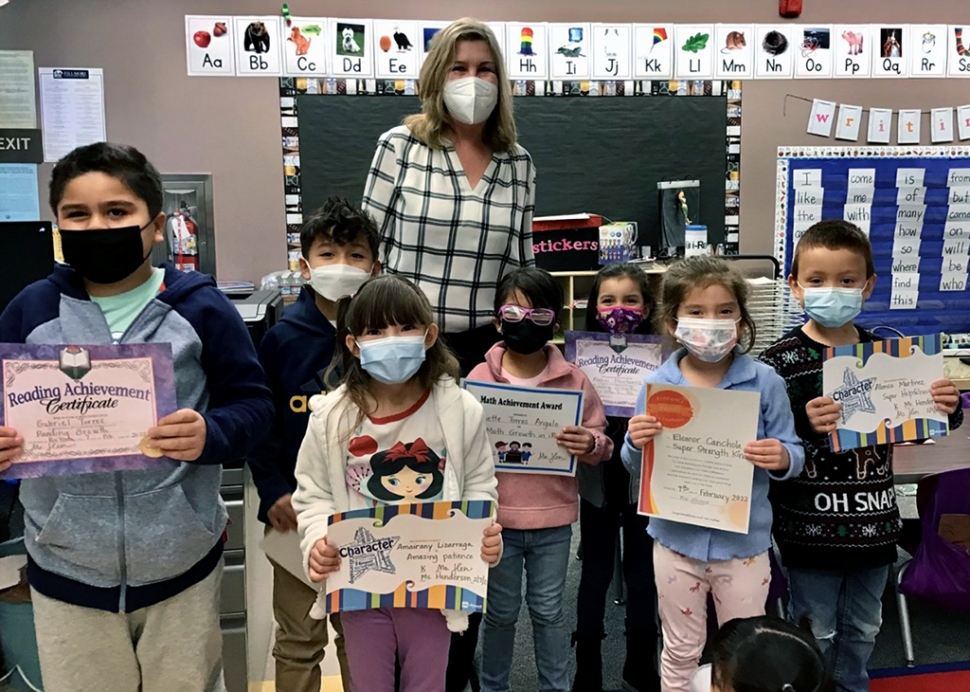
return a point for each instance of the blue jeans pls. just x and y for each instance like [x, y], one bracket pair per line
[844, 610]
[545, 555]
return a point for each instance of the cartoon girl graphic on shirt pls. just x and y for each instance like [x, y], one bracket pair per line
[406, 473]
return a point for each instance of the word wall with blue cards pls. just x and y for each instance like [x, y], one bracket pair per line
[914, 205]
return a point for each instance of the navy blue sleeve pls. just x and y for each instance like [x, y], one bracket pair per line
[240, 402]
[264, 461]
[38, 303]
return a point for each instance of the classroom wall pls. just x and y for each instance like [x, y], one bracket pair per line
[230, 127]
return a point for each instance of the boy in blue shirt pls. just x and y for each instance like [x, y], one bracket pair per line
[339, 253]
[125, 567]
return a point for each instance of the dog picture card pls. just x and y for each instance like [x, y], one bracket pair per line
[694, 44]
[351, 48]
[928, 50]
[735, 51]
[775, 47]
[304, 44]
[526, 50]
[398, 49]
[853, 47]
[208, 46]
[612, 51]
[653, 51]
[257, 46]
[570, 47]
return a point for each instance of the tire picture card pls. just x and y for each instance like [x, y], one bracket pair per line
[776, 46]
[305, 49]
[612, 50]
[735, 58]
[208, 46]
[258, 50]
[853, 50]
[653, 51]
[352, 47]
[398, 49]
[570, 47]
[526, 50]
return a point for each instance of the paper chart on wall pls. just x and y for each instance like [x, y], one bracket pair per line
[72, 109]
[18, 107]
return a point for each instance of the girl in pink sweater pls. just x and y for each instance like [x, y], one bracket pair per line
[535, 510]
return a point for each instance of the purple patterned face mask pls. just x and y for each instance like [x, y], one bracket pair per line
[620, 320]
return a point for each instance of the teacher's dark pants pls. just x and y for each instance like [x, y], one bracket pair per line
[471, 346]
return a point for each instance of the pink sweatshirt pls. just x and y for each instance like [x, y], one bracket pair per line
[536, 501]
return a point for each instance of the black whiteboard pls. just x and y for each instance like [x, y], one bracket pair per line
[599, 155]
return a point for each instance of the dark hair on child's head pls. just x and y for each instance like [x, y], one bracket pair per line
[700, 272]
[538, 285]
[416, 456]
[835, 234]
[385, 301]
[765, 654]
[615, 271]
[339, 222]
[120, 161]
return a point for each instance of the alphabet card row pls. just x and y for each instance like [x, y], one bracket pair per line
[388, 48]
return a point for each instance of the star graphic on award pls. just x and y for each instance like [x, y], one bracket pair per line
[854, 395]
[369, 554]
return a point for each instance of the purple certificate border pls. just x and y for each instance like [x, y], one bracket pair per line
[165, 403]
[571, 337]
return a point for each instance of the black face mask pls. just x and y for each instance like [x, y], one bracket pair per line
[104, 255]
[525, 337]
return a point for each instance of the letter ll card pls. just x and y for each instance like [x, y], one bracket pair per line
[694, 44]
[304, 44]
[85, 409]
[258, 49]
[208, 46]
[424, 555]
[351, 47]
[398, 52]
[884, 390]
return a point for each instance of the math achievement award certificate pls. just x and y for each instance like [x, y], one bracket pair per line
[694, 470]
[85, 409]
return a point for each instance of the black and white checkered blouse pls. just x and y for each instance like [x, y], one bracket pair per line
[454, 241]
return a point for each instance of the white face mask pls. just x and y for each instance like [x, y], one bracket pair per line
[334, 281]
[470, 100]
[709, 340]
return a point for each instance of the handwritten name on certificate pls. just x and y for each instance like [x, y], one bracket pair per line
[425, 555]
[694, 470]
[85, 409]
[884, 389]
[615, 365]
[522, 424]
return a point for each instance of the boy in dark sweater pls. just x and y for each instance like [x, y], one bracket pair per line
[339, 253]
[837, 523]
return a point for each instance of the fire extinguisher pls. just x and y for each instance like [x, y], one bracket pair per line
[789, 9]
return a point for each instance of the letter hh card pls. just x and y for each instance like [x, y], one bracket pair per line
[522, 423]
[884, 389]
[694, 470]
[425, 555]
[615, 365]
[85, 409]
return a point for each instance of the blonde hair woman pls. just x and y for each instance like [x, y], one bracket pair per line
[452, 191]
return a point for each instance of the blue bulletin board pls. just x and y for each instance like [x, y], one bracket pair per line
[914, 203]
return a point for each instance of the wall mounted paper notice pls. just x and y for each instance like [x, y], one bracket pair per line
[526, 50]
[71, 109]
[850, 117]
[694, 470]
[209, 46]
[351, 44]
[19, 196]
[821, 117]
[929, 50]
[853, 48]
[398, 53]
[884, 390]
[304, 45]
[522, 423]
[694, 46]
[18, 106]
[735, 45]
[570, 51]
[775, 47]
[941, 125]
[425, 555]
[908, 127]
[612, 51]
[615, 365]
[814, 61]
[880, 125]
[653, 46]
[891, 52]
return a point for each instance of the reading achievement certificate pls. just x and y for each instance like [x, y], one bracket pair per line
[615, 365]
[85, 409]
[694, 470]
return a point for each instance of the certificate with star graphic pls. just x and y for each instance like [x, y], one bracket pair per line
[423, 555]
[884, 389]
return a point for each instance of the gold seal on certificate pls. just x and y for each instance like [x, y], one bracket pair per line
[694, 470]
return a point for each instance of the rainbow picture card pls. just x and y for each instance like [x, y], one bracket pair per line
[423, 555]
[884, 390]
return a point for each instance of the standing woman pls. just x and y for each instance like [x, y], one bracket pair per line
[452, 192]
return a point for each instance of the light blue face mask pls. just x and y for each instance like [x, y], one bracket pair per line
[832, 307]
[394, 359]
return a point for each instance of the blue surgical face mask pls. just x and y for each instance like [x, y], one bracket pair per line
[832, 307]
[394, 359]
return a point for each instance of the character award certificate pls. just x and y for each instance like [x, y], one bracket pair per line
[522, 423]
[85, 409]
[424, 555]
[694, 470]
[616, 365]
[884, 389]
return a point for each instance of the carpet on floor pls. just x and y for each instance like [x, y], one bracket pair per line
[942, 677]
